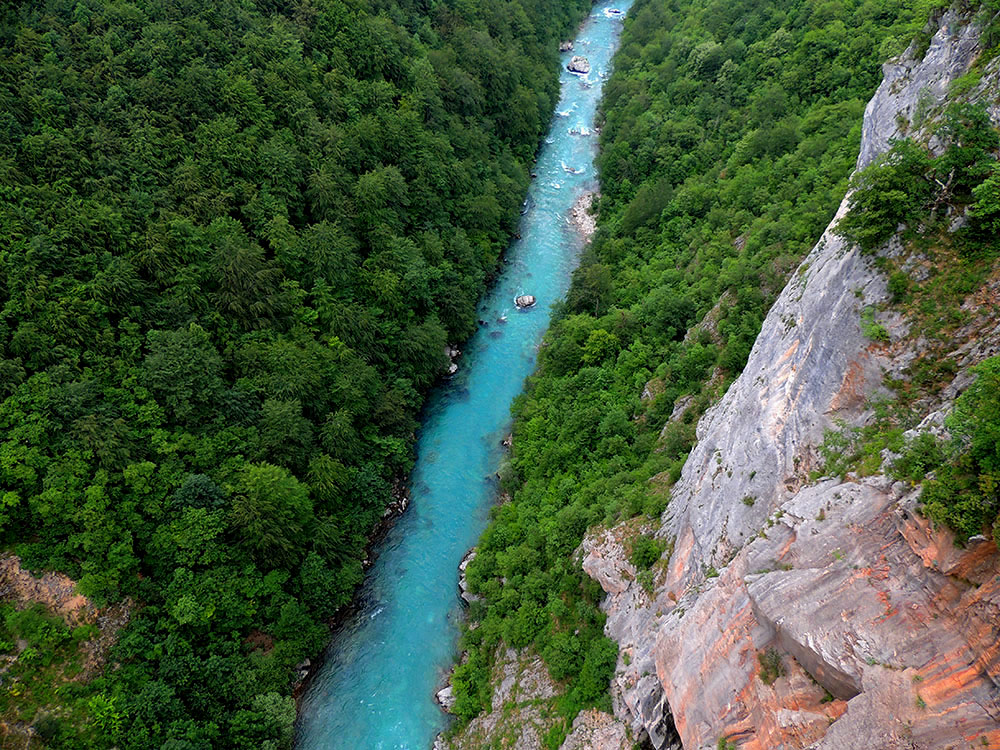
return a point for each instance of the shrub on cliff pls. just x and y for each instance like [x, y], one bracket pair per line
[906, 186]
[966, 493]
[890, 192]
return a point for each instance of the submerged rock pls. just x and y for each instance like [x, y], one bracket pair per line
[579, 64]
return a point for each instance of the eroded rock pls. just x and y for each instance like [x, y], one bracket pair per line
[596, 730]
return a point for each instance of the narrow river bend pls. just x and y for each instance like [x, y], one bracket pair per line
[376, 688]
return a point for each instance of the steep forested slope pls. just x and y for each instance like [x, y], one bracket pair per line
[730, 132]
[815, 595]
[235, 238]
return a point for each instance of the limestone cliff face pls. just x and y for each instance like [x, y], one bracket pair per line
[880, 633]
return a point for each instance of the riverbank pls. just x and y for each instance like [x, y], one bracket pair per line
[391, 653]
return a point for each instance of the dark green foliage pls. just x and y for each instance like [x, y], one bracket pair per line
[49, 728]
[235, 238]
[646, 551]
[892, 191]
[923, 455]
[966, 493]
[907, 186]
[984, 213]
[898, 285]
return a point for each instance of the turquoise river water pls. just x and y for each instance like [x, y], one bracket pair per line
[376, 688]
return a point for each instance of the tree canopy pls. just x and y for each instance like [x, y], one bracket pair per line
[235, 238]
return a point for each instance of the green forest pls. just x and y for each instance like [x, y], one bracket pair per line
[235, 239]
[730, 131]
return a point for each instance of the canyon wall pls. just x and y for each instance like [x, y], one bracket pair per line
[825, 614]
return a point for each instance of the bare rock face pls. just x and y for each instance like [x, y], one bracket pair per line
[596, 730]
[915, 89]
[463, 584]
[523, 711]
[813, 615]
[579, 64]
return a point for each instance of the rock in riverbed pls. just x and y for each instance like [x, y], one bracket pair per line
[463, 583]
[579, 65]
[446, 698]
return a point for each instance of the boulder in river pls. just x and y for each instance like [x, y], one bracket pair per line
[452, 353]
[566, 46]
[525, 300]
[463, 583]
[579, 65]
[446, 698]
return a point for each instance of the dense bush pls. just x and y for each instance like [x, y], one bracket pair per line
[965, 495]
[235, 238]
[907, 186]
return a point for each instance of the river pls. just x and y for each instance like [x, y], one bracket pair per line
[376, 688]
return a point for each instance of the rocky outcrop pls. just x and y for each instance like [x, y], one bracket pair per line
[519, 715]
[523, 711]
[58, 594]
[596, 730]
[463, 583]
[446, 698]
[55, 591]
[580, 216]
[579, 64]
[793, 614]
[565, 46]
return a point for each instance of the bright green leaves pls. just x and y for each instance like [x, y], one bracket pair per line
[965, 494]
[892, 191]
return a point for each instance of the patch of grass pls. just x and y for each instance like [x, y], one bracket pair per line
[771, 666]
[871, 328]
[40, 684]
[645, 579]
